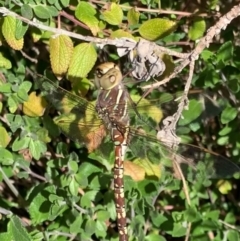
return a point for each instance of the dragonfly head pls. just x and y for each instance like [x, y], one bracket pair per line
[107, 75]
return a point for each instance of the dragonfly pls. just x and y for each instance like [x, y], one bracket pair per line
[114, 115]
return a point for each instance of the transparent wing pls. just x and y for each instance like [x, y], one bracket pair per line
[191, 159]
[79, 120]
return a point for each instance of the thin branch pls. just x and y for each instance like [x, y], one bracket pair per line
[159, 11]
[120, 42]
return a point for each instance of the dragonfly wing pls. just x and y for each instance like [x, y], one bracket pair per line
[191, 159]
[79, 120]
[63, 100]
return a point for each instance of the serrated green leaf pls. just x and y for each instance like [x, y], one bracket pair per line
[61, 50]
[85, 12]
[17, 230]
[41, 12]
[83, 59]
[197, 29]
[154, 29]
[26, 11]
[228, 114]
[9, 30]
[133, 16]
[4, 62]
[113, 15]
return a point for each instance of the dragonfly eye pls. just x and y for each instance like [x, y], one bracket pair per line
[107, 76]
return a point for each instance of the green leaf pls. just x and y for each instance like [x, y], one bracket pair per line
[26, 11]
[193, 112]
[74, 226]
[65, 3]
[154, 29]
[73, 166]
[5, 63]
[103, 215]
[6, 88]
[34, 149]
[83, 59]
[197, 29]
[114, 15]
[90, 227]
[6, 157]
[52, 11]
[17, 230]
[225, 52]
[9, 28]
[206, 54]
[41, 12]
[12, 103]
[40, 206]
[225, 130]
[21, 29]
[5, 138]
[22, 94]
[234, 85]
[101, 229]
[178, 230]
[133, 16]
[85, 12]
[26, 85]
[228, 114]
[87, 198]
[21, 144]
[192, 215]
[154, 237]
[233, 235]
[73, 186]
[61, 49]
[222, 141]
[6, 236]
